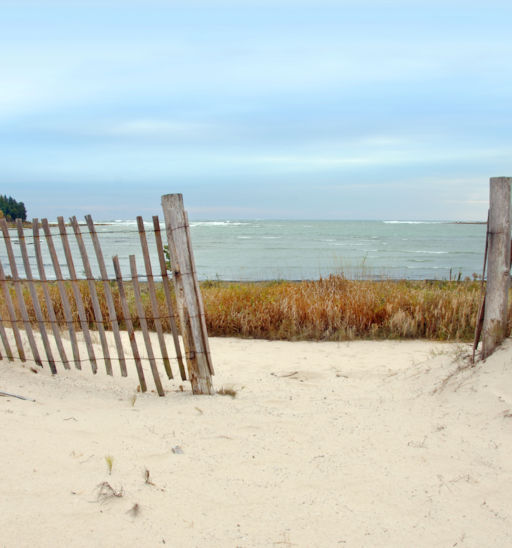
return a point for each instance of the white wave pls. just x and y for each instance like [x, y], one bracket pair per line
[413, 222]
[119, 222]
[217, 223]
[428, 252]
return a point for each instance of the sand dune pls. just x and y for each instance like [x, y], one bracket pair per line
[325, 444]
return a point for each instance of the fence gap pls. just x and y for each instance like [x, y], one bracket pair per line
[19, 293]
[152, 297]
[144, 326]
[188, 295]
[108, 295]
[167, 292]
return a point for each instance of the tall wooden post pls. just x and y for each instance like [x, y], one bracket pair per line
[498, 271]
[188, 295]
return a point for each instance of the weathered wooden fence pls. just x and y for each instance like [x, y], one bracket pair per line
[40, 308]
[491, 324]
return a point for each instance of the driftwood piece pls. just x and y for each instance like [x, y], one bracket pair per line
[8, 395]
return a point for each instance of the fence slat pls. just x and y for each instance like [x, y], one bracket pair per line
[144, 326]
[187, 295]
[129, 324]
[19, 292]
[60, 284]
[199, 299]
[47, 297]
[94, 296]
[76, 291]
[167, 292]
[152, 297]
[108, 294]
[35, 299]
[5, 340]
[12, 315]
[494, 328]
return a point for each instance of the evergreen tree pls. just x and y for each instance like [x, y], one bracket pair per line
[12, 209]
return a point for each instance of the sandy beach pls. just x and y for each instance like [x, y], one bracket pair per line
[358, 444]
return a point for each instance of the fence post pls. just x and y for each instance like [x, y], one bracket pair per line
[188, 295]
[498, 271]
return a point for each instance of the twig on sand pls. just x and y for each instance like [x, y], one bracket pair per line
[106, 491]
[7, 395]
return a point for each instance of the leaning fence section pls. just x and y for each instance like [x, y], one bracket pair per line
[56, 320]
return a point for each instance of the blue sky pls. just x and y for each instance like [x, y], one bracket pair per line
[365, 109]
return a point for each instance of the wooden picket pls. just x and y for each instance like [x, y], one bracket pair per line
[85, 302]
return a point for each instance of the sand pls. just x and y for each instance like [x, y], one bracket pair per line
[357, 444]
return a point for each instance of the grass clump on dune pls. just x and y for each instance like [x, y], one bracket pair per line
[336, 309]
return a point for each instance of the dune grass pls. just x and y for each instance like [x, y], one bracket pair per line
[330, 309]
[335, 309]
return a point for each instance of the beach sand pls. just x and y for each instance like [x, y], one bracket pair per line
[325, 444]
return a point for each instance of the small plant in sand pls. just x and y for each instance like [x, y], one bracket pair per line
[147, 477]
[223, 391]
[109, 459]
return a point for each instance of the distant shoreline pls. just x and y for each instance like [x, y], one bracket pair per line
[469, 223]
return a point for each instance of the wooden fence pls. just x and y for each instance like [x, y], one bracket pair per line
[40, 308]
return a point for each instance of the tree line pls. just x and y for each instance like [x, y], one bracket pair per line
[11, 209]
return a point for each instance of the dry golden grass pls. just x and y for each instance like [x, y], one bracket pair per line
[330, 309]
[336, 309]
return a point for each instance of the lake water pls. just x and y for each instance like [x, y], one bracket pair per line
[295, 250]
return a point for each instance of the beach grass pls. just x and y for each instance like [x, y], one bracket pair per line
[336, 309]
[330, 309]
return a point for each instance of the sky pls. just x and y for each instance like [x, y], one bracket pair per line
[282, 109]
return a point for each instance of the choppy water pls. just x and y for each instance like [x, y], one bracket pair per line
[263, 250]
